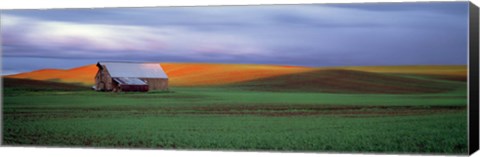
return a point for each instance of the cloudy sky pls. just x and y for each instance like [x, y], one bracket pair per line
[307, 35]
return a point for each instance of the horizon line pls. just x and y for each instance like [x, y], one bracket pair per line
[124, 61]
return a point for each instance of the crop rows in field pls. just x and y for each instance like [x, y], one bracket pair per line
[251, 109]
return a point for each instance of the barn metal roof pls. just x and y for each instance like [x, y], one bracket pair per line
[138, 70]
[129, 81]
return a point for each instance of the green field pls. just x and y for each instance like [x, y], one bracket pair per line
[239, 118]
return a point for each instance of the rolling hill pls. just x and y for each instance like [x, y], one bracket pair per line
[444, 72]
[194, 74]
[368, 79]
[82, 75]
[180, 74]
[37, 85]
[348, 81]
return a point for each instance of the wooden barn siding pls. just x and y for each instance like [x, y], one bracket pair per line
[103, 76]
[116, 87]
[156, 83]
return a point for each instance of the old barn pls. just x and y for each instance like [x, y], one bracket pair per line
[130, 76]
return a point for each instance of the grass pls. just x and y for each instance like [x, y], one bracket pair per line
[230, 118]
[407, 109]
[417, 134]
[190, 96]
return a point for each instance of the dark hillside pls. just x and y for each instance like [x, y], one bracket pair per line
[348, 81]
[36, 85]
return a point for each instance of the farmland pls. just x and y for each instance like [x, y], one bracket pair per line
[292, 109]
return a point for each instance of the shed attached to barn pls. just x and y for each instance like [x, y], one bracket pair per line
[130, 76]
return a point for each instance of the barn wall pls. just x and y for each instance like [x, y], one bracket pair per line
[103, 81]
[116, 87]
[133, 88]
[156, 83]
[97, 80]
[98, 84]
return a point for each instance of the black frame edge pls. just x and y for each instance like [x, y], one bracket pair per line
[473, 107]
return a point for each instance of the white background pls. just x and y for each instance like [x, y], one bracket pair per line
[90, 152]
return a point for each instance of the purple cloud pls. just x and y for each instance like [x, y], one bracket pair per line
[311, 35]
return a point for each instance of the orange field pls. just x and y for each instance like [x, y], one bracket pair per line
[180, 74]
[204, 74]
[194, 74]
[84, 75]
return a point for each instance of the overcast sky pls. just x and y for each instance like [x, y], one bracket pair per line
[308, 35]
